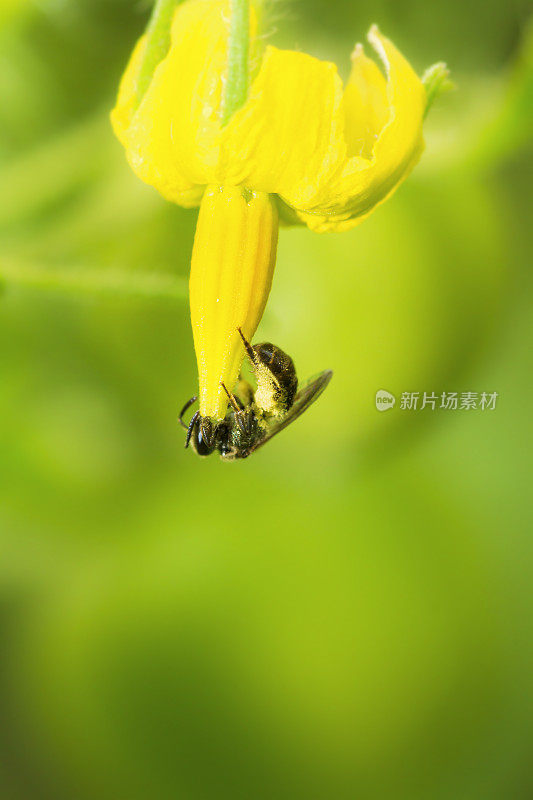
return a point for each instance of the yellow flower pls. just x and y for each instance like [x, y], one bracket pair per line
[330, 154]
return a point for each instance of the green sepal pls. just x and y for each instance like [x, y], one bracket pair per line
[157, 43]
[436, 80]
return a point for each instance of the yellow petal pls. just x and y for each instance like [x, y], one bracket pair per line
[127, 94]
[288, 137]
[332, 157]
[231, 274]
[364, 183]
[171, 138]
[366, 106]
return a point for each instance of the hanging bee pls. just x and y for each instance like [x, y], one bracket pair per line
[275, 404]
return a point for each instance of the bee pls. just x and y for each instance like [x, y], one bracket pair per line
[254, 417]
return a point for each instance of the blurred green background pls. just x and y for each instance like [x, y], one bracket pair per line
[348, 613]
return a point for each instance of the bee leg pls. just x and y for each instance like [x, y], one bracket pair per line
[248, 420]
[232, 399]
[243, 416]
[248, 347]
[190, 429]
[185, 408]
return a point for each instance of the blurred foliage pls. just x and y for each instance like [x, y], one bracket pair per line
[347, 614]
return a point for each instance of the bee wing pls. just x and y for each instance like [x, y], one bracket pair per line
[304, 398]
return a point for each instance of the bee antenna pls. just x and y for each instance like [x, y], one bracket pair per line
[190, 429]
[247, 346]
[231, 398]
[185, 408]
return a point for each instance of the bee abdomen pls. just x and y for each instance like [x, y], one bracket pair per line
[282, 367]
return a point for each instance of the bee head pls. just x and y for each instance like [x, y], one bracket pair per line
[202, 435]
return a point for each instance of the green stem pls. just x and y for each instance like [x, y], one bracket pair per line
[157, 43]
[103, 282]
[237, 77]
